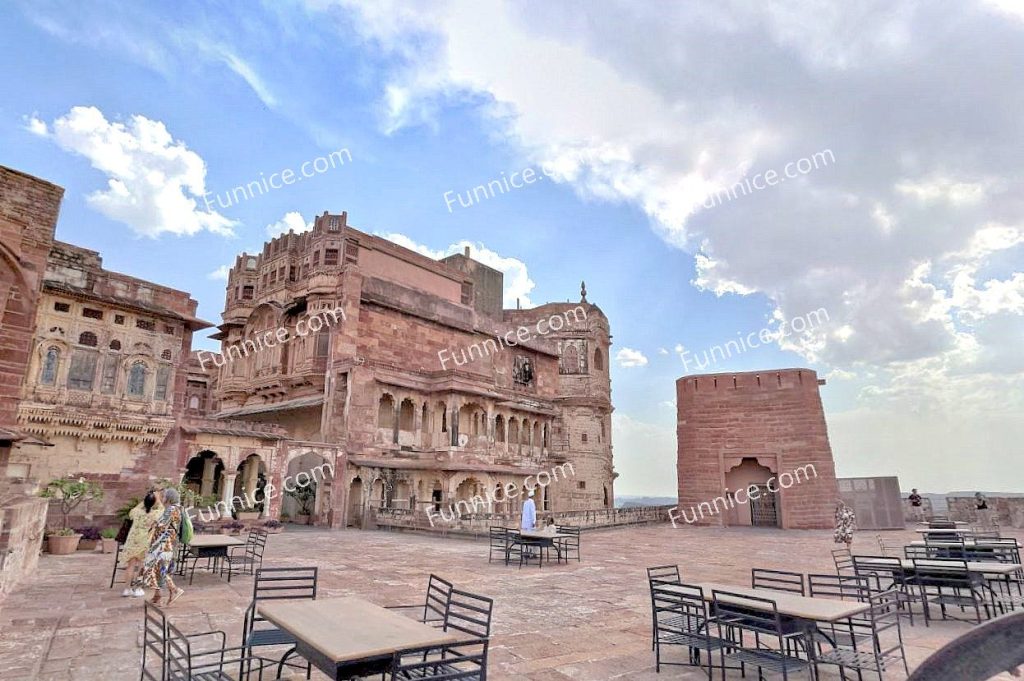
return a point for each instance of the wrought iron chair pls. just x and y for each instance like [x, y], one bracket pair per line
[117, 565]
[681, 619]
[186, 664]
[948, 582]
[843, 560]
[505, 542]
[567, 546]
[886, 573]
[843, 588]
[876, 653]
[248, 557]
[459, 661]
[435, 605]
[777, 580]
[660, 574]
[739, 614]
[887, 548]
[276, 584]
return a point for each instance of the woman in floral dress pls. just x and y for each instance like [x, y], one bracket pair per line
[159, 564]
[846, 522]
[143, 517]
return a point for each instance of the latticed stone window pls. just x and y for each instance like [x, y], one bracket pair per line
[82, 370]
[137, 379]
[145, 324]
[88, 338]
[162, 375]
[166, 354]
[91, 313]
[61, 307]
[119, 319]
[48, 375]
[108, 380]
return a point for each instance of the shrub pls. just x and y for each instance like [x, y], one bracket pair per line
[108, 533]
[89, 533]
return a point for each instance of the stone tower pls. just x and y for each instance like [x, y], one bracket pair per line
[582, 433]
[763, 429]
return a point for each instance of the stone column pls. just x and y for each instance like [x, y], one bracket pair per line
[209, 468]
[227, 488]
[252, 470]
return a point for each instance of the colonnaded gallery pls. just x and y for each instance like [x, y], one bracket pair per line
[401, 382]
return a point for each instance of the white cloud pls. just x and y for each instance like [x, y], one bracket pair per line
[628, 358]
[36, 126]
[220, 274]
[517, 279]
[910, 240]
[292, 221]
[153, 180]
[663, 351]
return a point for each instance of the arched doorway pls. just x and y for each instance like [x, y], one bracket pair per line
[309, 478]
[760, 512]
[250, 479]
[355, 503]
[203, 474]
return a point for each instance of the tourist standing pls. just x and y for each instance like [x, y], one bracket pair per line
[914, 498]
[529, 521]
[159, 563]
[846, 522]
[980, 501]
[140, 537]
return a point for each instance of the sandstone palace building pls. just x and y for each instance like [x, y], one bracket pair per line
[388, 379]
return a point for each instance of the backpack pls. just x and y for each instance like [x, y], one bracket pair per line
[187, 531]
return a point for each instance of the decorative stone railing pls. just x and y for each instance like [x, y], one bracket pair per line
[478, 523]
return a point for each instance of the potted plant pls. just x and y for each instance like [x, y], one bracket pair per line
[109, 542]
[90, 538]
[305, 497]
[232, 527]
[70, 493]
[247, 513]
[273, 526]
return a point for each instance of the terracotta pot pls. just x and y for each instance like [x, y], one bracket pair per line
[248, 515]
[109, 545]
[62, 546]
[87, 545]
[274, 530]
[302, 519]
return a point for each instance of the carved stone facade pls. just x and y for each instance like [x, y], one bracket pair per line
[415, 379]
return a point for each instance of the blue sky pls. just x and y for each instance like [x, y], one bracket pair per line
[910, 239]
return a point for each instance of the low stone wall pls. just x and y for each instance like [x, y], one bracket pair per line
[22, 520]
[477, 523]
[1004, 511]
[917, 514]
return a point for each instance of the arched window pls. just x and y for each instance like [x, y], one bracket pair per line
[572, 359]
[166, 354]
[82, 371]
[87, 338]
[115, 345]
[193, 402]
[598, 360]
[48, 375]
[406, 415]
[137, 379]
[163, 374]
[386, 412]
[583, 438]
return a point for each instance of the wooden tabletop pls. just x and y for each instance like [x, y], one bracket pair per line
[790, 605]
[968, 543]
[943, 530]
[541, 534]
[350, 629]
[207, 541]
[986, 567]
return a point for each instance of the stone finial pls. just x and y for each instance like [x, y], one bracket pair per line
[583, 291]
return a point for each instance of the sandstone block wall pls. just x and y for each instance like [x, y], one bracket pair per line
[775, 417]
[22, 519]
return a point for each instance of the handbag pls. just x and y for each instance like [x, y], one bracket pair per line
[122, 534]
[187, 531]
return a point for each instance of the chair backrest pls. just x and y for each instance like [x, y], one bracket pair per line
[843, 560]
[679, 607]
[777, 580]
[942, 572]
[288, 582]
[750, 613]
[912, 552]
[438, 593]
[497, 535]
[568, 529]
[154, 643]
[842, 587]
[879, 567]
[468, 613]
[663, 574]
[179, 655]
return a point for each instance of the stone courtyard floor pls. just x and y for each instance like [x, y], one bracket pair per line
[585, 621]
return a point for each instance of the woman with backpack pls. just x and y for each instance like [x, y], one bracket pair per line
[159, 563]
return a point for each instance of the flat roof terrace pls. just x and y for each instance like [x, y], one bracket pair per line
[582, 621]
